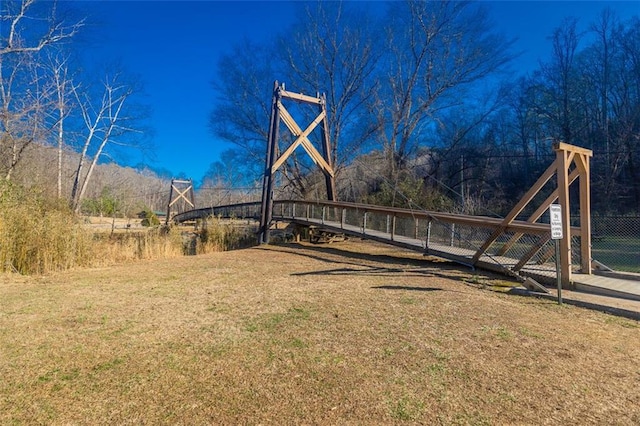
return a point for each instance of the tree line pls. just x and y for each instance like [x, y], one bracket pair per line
[425, 106]
[60, 117]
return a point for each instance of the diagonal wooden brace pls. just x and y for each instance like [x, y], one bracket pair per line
[301, 140]
[181, 194]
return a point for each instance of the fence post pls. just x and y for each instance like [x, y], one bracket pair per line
[453, 233]
[364, 223]
[393, 227]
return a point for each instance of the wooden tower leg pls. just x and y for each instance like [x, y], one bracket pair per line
[582, 164]
[267, 182]
[563, 161]
[324, 131]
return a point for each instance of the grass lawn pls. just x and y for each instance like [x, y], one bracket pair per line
[618, 253]
[301, 334]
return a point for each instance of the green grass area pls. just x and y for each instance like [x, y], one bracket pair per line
[618, 253]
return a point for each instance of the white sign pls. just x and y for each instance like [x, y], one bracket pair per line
[555, 215]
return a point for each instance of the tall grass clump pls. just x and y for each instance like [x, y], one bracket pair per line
[216, 235]
[38, 235]
[162, 242]
[152, 243]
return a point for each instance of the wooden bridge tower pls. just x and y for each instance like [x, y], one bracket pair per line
[181, 198]
[274, 160]
[571, 163]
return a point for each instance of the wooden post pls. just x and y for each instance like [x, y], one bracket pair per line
[566, 154]
[326, 151]
[267, 182]
[582, 165]
[563, 159]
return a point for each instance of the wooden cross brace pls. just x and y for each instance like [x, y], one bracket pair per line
[566, 155]
[301, 140]
[180, 195]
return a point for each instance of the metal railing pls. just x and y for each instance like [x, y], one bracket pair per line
[249, 210]
[522, 248]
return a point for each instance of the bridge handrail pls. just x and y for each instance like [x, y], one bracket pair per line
[213, 211]
[457, 237]
[462, 219]
[485, 221]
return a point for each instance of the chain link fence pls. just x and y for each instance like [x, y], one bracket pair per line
[615, 242]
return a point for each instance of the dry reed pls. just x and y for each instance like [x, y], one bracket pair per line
[217, 235]
[39, 236]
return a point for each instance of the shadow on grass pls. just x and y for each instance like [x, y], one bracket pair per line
[404, 287]
[402, 266]
[396, 268]
[378, 258]
[594, 306]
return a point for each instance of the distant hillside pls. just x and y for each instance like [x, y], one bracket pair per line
[132, 188]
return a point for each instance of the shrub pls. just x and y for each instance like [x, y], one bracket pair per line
[105, 205]
[149, 218]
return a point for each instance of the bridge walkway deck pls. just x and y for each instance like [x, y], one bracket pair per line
[627, 287]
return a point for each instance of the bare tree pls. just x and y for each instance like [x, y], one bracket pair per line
[335, 50]
[436, 49]
[63, 100]
[27, 32]
[561, 82]
[27, 28]
[225, 182]
[22, 103]
[243, 85]
[627, 104]
[107, 120]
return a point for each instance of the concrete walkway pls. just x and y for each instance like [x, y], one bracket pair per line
[625, 286]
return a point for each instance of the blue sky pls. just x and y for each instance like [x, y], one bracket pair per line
[174, 47]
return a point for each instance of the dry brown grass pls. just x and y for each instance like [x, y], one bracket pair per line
[300, 334]
[39, 235]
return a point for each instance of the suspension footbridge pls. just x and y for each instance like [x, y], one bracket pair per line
[515, 245]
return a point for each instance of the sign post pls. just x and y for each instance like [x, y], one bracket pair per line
[556, 235]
